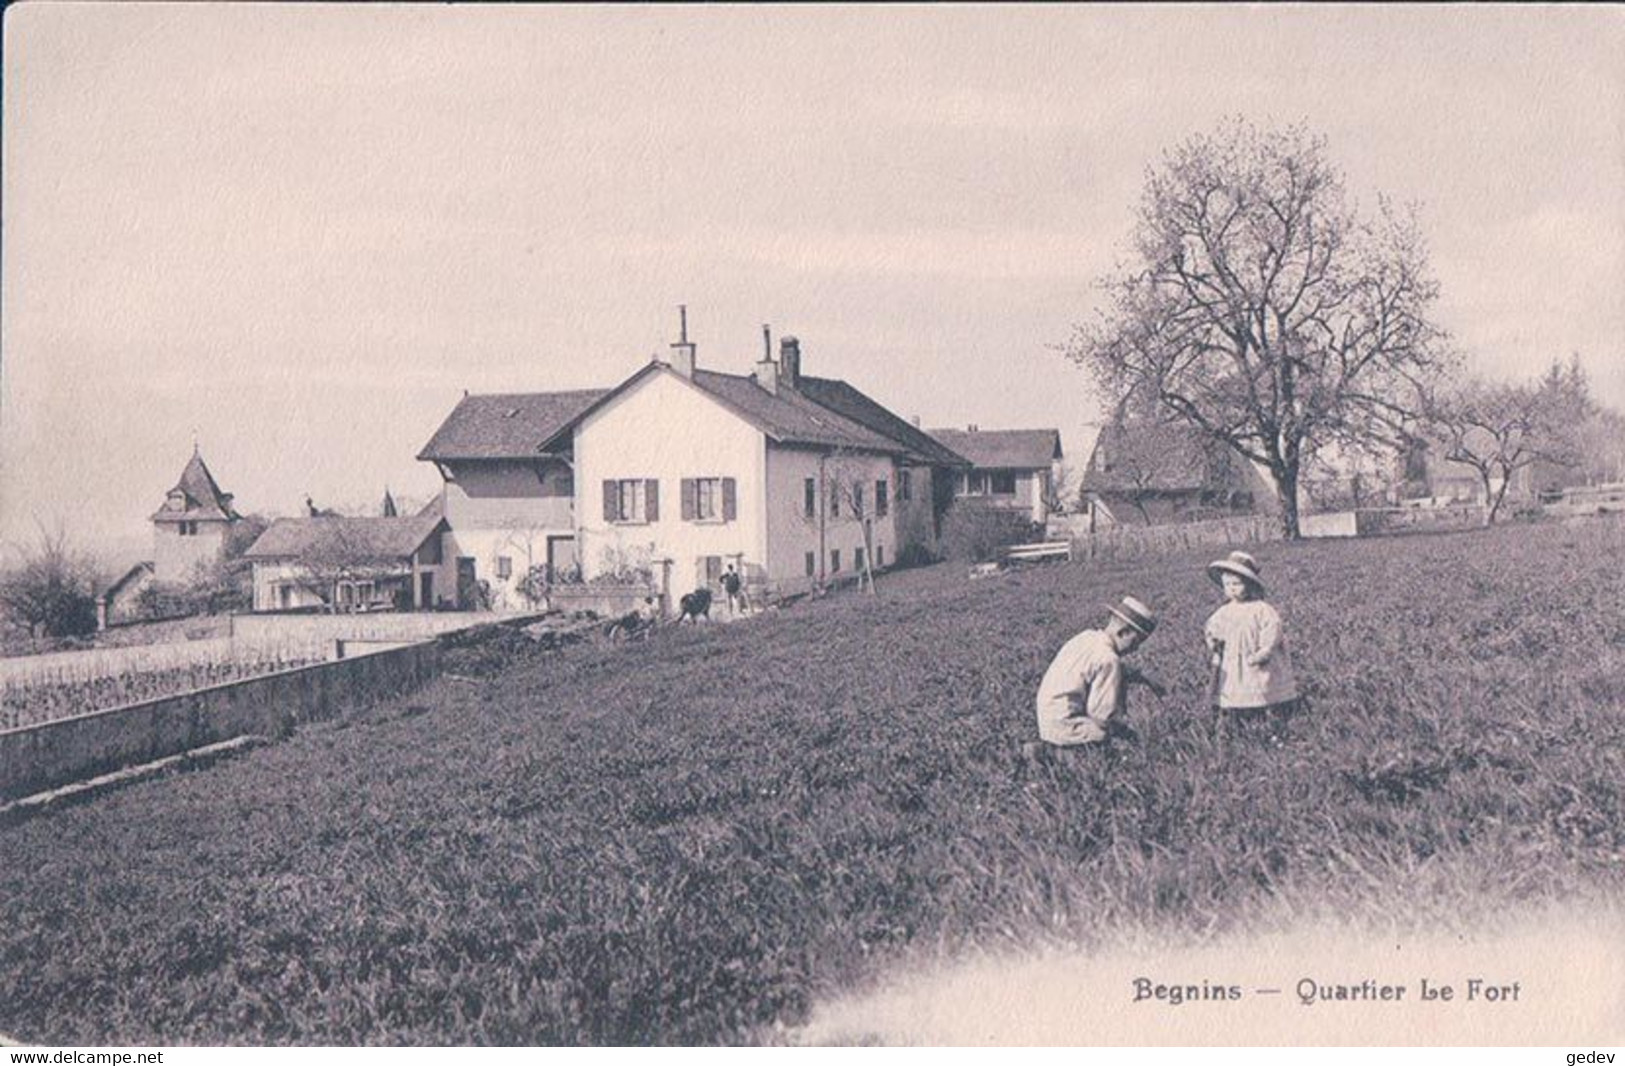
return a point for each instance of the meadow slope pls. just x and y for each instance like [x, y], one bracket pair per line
[692, 839]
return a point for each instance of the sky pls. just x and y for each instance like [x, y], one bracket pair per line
[295, 234]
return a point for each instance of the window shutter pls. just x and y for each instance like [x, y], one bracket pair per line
[651, 499]
[730, 499]
[690, 493]
[611, 503]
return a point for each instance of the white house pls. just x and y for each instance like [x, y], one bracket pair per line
[1011, 469]
[349, 563]
[682, 471]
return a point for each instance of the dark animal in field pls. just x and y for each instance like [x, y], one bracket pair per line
[695, 605]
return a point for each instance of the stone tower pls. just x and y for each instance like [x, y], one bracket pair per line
[191, 529]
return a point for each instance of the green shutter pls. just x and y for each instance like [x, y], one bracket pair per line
[612, 510]
[651, 499]
[730, 499]
[690, 494]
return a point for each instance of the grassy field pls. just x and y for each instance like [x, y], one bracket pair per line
[693, 838]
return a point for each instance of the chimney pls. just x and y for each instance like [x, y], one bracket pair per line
[972, 428]
[790, 361]
[682, 353]
[767, 371]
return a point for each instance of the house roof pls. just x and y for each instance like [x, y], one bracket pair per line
[818, 412]
[1164, 458]
[119, 583]
[1004, 449]
[509, 425]
[365, 538]
[839, 396]
[788, 417]
[200, 499]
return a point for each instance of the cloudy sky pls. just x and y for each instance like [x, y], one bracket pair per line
[300, 232]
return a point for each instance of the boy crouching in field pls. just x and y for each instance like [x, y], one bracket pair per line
[1087, 684]
[1252, 678]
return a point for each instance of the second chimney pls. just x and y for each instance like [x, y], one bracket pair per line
[767, 371]
[789, 362]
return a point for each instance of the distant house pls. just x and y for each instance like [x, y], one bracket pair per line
[348, 564]
[190, 533]
[1431, 477]
[1011, 469]
[678, 472]
[1145, 472]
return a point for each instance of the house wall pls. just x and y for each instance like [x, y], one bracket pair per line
[271, 576]
[1029, 492]
[666, 429]
[176, 559]
[509, 494]
[501, 509]
[791, 534]
[914, 524]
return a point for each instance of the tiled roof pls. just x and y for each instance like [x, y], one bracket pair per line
[791, 418]
[1164, 458]
[364, 539]
[1004, 449]
[200, 498]
[513, 425]
[839, 396]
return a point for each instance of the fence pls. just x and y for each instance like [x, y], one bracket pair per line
[44, 756]
[260, 629]
[1128, 541]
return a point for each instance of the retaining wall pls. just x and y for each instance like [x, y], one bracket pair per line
[43, 756]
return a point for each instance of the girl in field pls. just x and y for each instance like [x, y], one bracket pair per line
[1252, 669]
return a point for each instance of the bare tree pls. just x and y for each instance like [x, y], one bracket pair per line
[50, 589]
[340, 552]
[1499, 429]
[1261, 309]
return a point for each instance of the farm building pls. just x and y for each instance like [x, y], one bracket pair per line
[1011, 469]
[1147, 472]
[190, 533]
[1430, 476]
[345, 563]
[679, 471]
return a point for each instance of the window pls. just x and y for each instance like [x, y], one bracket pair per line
[504, 567]
[809, 500]
[710, 570]
[880, 556]
[975, 483]
[710, 499]
[857, 498]
[882, 499]
[835, 560]
[187, 529]
[905, 484]
[834, 502]
[632, 500]
[857, 558]
[812, 563]
[1003, 482]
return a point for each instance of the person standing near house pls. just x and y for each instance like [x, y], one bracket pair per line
[735, 588]
[1085, 690]
[1252, 667]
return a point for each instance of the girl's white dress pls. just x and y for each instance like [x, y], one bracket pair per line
[1255, 668]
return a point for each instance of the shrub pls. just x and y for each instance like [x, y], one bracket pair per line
[973, 533]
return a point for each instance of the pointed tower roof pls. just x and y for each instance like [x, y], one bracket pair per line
[389, 504]
[196, 496]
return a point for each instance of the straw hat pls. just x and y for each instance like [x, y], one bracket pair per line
[1136, 614]
[1241, 564]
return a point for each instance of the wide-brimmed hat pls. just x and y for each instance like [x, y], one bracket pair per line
[1136, 614]
[1241, 564]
